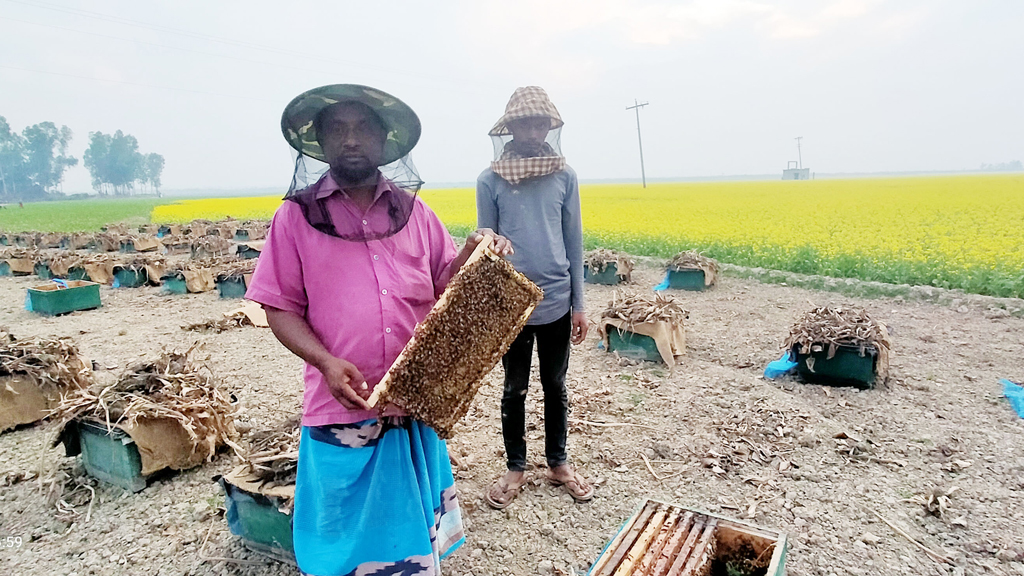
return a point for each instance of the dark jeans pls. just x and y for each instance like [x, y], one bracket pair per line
[553, 351]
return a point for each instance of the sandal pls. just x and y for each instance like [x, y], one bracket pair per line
[509, 491]
[575, 487]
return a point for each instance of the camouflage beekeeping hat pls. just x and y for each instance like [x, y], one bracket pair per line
[527, 102]
[401, 122]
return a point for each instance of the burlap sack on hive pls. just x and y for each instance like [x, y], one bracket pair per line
[171, 407]
[660, 317]
[34, 373]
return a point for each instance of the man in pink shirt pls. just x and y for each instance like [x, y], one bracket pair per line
[350, 265]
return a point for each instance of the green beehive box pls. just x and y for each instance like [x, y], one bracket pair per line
[247, 252]
[43, 271]
[4, 241]
[609, 277]
[734, 548]
[128, 278]
[241, 235]
[111, 457]
[174, 283]
[258, 520]
[78, 273]
[53, 298]
[633, 346]
[231, 286]
[5, 269]
[686, 279]
[846, 368]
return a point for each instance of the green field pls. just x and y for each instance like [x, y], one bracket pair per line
[959, 232]
[76, 215]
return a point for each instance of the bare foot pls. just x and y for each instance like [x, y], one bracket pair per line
[505, 489]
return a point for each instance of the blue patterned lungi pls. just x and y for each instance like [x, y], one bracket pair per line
[374, 498]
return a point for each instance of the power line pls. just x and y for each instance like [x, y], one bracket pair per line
[637, 106]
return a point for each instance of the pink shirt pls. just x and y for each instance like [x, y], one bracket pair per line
[362, 299]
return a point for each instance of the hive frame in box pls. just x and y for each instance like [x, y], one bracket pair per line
[482, 250]
[717, 531]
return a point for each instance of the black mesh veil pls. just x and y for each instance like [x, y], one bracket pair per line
[399, 200]
[553, 141]
[391, 211]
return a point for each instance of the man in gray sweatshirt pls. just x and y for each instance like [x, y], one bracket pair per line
[530, 196]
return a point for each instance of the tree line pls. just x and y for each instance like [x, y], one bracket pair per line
[33, 163]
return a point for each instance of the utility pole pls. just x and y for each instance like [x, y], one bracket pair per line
[637, 106]
[799, 157]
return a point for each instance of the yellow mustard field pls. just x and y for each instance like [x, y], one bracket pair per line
[951, 231]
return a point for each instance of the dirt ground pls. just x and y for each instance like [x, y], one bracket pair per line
[816, 463]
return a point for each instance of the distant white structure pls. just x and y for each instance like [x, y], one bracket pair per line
[794, 172]
[795, 168]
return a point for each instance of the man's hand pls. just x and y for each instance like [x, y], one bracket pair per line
[346, 384]
[499, 244]
[580, 326]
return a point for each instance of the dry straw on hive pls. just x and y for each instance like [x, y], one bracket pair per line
[472, 325]
[598, 260]
[828, 328]
[172, 387]
[62, 262]
[211, 246]
[233, 268]
[693, 260]
[236, 319]
[54, 363]
[273, 454]
[642, 309]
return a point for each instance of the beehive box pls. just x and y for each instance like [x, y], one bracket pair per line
[251, 250]
[54, 298]
[662, 539]
[846, 368]
[633, 346]
[261, 516]
[42, 270]
[233, 286]
[125, 277]
[471, 326]
[609, 276]
[687, 279]
[173, 283]
[111, 456]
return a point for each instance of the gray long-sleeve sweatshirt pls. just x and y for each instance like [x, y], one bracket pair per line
[541, 217]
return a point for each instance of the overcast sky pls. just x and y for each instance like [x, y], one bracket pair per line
[871, 85]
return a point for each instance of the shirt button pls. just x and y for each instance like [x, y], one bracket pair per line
[365, 222]
[376, 257]
[384, 291]
[388, 330]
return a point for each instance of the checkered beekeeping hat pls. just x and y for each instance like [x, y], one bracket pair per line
[527, 102]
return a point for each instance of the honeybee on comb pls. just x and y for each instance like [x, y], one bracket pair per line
[471, 326]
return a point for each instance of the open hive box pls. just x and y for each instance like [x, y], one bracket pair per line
[471, 326]
[260, 493]
[840, 346]
[63, 296]
[662, 539]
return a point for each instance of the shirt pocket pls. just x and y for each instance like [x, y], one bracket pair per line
[412, 265]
